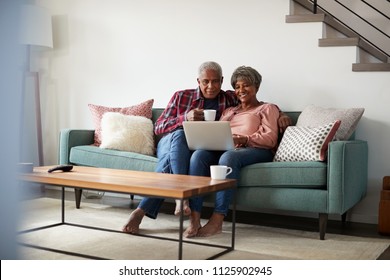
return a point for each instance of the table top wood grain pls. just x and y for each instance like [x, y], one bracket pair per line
[129, 181]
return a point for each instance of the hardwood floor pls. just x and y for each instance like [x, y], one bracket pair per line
[271, 220]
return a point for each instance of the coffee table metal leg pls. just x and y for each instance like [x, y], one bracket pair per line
[181, 228]
[63, 205]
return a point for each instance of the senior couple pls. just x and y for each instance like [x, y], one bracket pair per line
[255, 127]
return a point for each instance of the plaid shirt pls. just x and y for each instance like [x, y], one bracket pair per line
[184, 101]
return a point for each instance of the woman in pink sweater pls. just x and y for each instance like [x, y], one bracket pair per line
[255, 133]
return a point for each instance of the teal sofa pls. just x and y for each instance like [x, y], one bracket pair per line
[330, 187]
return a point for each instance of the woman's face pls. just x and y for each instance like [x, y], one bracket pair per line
[245, 91]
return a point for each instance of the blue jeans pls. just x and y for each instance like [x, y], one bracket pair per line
[174, 158]
[200, 166]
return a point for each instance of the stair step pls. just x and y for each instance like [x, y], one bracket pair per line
[305, 18]
[365, 67]
[331, 42]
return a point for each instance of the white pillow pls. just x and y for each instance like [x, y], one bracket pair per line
[313, 116]
[143, 109]
[306, 143]
[127, 133]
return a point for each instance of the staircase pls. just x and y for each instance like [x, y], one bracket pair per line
[370, 56]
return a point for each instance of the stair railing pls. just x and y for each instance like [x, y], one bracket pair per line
[316, 6]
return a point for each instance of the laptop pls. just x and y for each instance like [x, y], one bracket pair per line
[208, 135]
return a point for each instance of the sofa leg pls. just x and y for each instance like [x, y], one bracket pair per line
[77, 194]
[323, 220]
[344, 217]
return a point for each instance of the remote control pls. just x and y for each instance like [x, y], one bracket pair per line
[64, 168]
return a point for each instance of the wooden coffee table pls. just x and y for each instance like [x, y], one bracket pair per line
[149, 184]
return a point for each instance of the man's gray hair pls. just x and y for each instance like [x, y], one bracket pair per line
[210, 65]
[247, 74]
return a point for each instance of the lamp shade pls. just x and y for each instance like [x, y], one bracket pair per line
[36, 27]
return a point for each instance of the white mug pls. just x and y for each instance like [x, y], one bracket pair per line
[209, 115]
[219, 172]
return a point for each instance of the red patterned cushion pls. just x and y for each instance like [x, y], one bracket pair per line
[306, 143]
[143, 109]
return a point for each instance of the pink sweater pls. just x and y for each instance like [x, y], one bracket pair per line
[260, 124]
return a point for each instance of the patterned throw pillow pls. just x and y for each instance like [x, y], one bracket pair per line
[315, 116]
[143, 109]
[306, 143]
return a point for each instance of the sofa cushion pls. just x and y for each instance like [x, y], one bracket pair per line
[313, 200]
[90, 155]
[143, 109]
[306, 143]
[127, 133]
[305, 174]
[313, 116]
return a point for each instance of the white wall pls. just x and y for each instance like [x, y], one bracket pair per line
[121, 52]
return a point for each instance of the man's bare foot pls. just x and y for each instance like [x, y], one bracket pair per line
[213, 226]
[135, 220]
[186, 208]
[192, 229]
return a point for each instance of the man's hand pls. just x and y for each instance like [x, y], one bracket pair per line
[195, 115]
[283, 122]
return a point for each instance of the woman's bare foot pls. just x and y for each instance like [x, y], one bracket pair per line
[186, 208]
[192, 229]
[135, 220]
[213, 226]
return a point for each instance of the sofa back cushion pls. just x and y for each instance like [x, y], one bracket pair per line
[294, 115]
[156, 113]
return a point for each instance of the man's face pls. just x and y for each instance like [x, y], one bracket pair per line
[210, 83]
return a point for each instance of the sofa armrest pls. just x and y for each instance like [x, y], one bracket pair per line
[73, 137]
[347, 174]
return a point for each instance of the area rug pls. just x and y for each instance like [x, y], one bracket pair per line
[252, 242]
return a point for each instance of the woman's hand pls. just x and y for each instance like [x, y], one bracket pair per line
[240, 140]
[283, 122]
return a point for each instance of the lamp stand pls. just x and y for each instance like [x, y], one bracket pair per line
[35, 30]
[37, 111]
[38, 119]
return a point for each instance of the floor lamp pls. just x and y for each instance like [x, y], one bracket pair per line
[35, 32]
